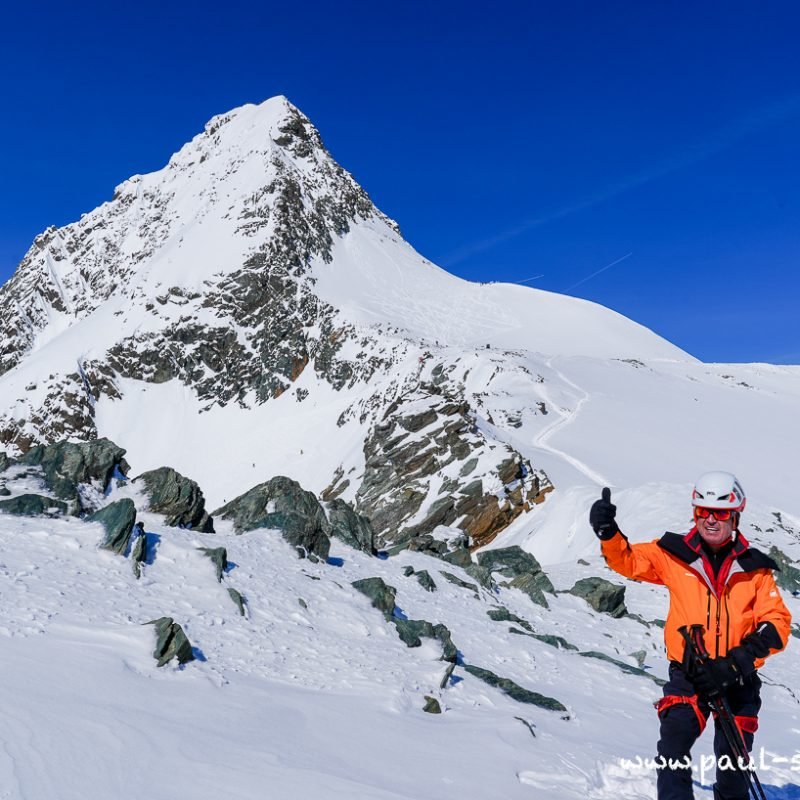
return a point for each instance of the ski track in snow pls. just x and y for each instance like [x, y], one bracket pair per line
[566, 417]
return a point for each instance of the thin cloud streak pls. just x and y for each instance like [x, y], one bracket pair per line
[723, 138]
[595, 274]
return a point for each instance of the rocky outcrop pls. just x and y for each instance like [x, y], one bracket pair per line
[423, 576]
[4, 461]
[379, 592]
[523, 570]
[456, 581]
[411, 632]
[602, 595]
[171, 642]
[283, 504]
[514, 690]
[138, 548]
[623, 666]
[442, 543]
[67, 467]
[559, 642]
[502, 614]
[788, 575]
[431, 705]
[238, 599]
[219, 558]
[118, 519]
[427, 433]
[32, 505]
[350, 527]
[178, 498]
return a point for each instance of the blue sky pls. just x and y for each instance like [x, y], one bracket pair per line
[511, 141]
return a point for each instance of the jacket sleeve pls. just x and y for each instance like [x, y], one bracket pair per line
[640, 562]
[769, 609]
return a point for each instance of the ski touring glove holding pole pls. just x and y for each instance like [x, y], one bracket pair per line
[602, 516]
[716, 676]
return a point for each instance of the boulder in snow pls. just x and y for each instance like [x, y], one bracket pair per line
[171, 642]
[283, 504]
[602, 595]
[178, 498]
[32, 505]
[118, 519]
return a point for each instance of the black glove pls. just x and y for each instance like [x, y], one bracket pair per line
[601, 517]
[716, 676]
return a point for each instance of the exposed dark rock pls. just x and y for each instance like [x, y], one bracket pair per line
[513, 690]
[425, 581]
[788, 576]
[283, 504]
[622, 665]
[4, 461]
[459, 557]
[219, 557]
[529, 725]
[381, 594]
[558, 642]
[352, 528]
[138, 548]
[432, 705]
[509, 562]
[171, 642]
[532, 585]
[602, 595]
[502, 614]
[451, 666]
[32, 505]
[482, 575]
[408, 571]
[238, 599]
[411, 632]
[522, 568]
[5, 491]
[178, 498]
[455, 580]
[118, 519]
[66, 465]
[421, 434]
[453, 549]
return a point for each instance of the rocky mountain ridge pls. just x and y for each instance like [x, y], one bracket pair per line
[123, 295]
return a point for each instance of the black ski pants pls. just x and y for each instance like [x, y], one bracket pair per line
[680, 728]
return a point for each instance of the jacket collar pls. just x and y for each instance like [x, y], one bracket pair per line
[688, 548]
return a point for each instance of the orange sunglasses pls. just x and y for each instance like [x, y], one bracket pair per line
[722, 514]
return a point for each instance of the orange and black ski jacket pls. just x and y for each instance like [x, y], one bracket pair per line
[730, 606]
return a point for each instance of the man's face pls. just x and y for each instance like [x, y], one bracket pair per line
[715, 532]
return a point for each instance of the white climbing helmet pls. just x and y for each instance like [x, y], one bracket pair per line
[719, 490]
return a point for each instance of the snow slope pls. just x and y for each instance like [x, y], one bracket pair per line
[320, 697]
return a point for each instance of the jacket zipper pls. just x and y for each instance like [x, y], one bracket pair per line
[718, 633]
[727, 621]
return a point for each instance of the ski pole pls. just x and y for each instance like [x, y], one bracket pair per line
[695, 657]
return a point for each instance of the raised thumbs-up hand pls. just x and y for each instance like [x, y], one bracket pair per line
[601, 516]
